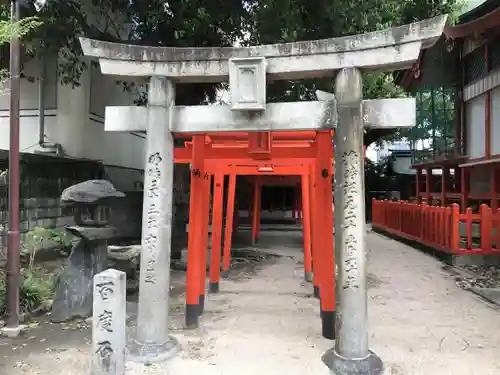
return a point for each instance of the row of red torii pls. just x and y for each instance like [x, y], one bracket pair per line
[247, 69]
[306, 154]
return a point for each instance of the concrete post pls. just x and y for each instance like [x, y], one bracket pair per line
[350, 354]
[153, 342]
[109, 323]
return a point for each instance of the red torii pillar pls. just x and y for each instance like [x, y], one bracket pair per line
[323, 220]
[306, 226]
[199, 204]
[228, 233]
[256, 209]
[217, 218]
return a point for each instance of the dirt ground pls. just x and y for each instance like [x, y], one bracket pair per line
[265, 320]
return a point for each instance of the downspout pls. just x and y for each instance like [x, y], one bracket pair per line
[55, 147]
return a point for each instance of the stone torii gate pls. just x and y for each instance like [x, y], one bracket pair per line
[247, 69]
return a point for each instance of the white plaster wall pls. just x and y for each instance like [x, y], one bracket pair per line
[29, 90]
[125, 179]
[72, 116]
[495, 121]
[28, 127]
[75, 119]
[29, 119]
[475, 118]
[113, 148]
[106, 91]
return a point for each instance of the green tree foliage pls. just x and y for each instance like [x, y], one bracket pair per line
[178, 23]
[223, 23]
[291, 20]
[9, 29]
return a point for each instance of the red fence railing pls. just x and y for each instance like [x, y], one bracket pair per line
[442, 228]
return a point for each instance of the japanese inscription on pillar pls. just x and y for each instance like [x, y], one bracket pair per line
[108, 330]
[153, 213]
[351, 166]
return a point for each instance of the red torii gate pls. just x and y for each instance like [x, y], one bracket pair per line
[308, 154]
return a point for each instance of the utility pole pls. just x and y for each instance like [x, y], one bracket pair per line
[13, 235]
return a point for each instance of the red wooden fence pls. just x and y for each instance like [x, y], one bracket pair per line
[442, 228]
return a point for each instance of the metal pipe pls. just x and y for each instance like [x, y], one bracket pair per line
[13, 237]
[41, 103]
[41, 110]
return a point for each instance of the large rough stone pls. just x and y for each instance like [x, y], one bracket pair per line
[73, 297]
[90, 191]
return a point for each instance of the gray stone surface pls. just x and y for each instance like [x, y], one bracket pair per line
[395, 48]
[387, 113]
[127, 259]
[490, 294]
[152, 341]
[351, 324]
[109, 323]
[338, 365]
[90, 191]
[73, 297]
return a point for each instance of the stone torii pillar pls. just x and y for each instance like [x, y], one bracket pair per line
[247, 70]
[153, 341]
[351, 354]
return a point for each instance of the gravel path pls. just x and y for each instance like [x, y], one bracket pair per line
[267, 322]
[421, 323]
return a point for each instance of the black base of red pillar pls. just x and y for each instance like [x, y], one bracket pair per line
[201, 304]
[328, 324]
[213, 287]
[192, 316]
[316, 292]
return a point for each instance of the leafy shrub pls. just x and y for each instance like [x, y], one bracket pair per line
[37, 236]
[36, 287]
[36, 284]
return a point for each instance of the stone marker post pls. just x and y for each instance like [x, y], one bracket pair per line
[109, 323]
[350, 354]
[153, 342]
